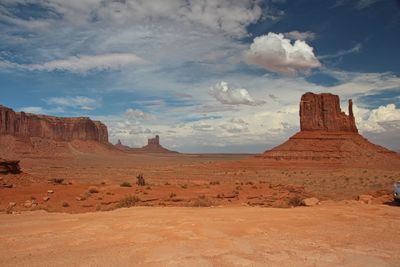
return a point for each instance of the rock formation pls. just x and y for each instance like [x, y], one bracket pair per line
[26, 125]
[322, 113]
[328, 134]
[9, 166]
[153, 146]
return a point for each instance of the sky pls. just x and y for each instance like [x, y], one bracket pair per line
[205, 75]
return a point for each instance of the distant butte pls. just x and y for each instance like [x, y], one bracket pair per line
[26, 125]
[153, 146]
[30, 135]
[328, 134]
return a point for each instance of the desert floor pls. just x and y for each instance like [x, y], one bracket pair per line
[93, 182]
[196, 210]
[327, 235]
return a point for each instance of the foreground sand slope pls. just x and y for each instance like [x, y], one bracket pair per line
[327, 235]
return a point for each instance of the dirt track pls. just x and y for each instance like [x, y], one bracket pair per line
[327, 235]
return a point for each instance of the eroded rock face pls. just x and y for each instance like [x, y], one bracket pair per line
[21, 124]
[321, 112]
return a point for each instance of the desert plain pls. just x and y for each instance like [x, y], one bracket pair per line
[196, 210]
[322, 198]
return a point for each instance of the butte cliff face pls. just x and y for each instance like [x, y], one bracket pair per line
[321, 112]
[25, 125]
[328, 134]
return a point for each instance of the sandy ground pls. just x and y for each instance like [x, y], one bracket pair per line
[326, 235]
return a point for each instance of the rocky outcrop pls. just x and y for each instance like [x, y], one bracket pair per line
[153, 146]
[329, 135]
[9, 166]
[321, 112]
[26, 125]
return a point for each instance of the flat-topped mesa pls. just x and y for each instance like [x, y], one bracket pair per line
[26, 125]
[153, 141]
[321, 112]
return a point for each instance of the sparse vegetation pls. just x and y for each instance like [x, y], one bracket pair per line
[140, 180]
[214, 183]
[128, 201]
[172, 195]
[93, 190]
[295, 201]
[65, 204]
[125, 184]
[184, 186]
[201, 201]
[56, 180]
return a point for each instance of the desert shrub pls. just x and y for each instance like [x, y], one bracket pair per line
[201, 201]
[128, 201]
[184, 186]
[125, 184]
[166, 183]
[56, 180]
[295, 201]
[65, 204]
[140, 180]
[214, 183]
[93, 190]
[172, 195]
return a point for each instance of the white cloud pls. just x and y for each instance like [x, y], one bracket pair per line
[226, 95]
[276, 53]
[230, 17]
[202, 126]
[377, 120]
[138, 114]
[81, 102]
[82, 63]
[296, 35]
[354, 50]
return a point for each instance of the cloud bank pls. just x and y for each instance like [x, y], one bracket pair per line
[82, 63]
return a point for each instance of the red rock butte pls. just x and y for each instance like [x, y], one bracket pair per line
[328, 134]
[322, 113]
[29, 135]
[153, 146]
[26, 125]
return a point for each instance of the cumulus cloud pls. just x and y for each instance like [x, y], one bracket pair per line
[379, 119]
[296, 35]
[226, 95]
[81, 102]
[276, 53]
[81, 63]
[138, 114]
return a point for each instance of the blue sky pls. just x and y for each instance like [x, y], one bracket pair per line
[207, 76]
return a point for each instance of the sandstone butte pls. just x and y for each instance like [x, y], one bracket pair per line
[26, 125]
[328, 134]
[153, 146]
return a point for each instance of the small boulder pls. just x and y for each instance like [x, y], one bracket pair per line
[28, 204]
[367, 199]
[311, 201]
[12, 204]
[50, 191]
[46, 199]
